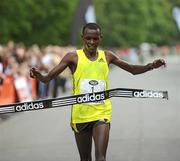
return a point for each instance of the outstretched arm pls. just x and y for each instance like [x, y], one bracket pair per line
[134, 69]
[67, 61]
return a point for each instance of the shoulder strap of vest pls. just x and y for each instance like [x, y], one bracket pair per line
[79, 51]
[80, 54]
[102, 54]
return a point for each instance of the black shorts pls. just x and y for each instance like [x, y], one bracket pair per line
[88, 126]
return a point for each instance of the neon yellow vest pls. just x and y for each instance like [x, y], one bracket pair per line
[91, 76]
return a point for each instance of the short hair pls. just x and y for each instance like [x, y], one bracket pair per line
[93, 26]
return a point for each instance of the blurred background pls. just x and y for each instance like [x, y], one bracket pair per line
[38, 33]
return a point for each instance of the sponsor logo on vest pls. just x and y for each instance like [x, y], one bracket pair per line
[101, 60]
[90, 97]
[30, 106]
[93, 82]
[150, 94]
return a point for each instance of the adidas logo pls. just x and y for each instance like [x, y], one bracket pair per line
[101, 60]
[92, 97]
[31, 106]
[151, 94]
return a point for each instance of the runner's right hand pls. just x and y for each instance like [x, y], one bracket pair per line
[34, 73]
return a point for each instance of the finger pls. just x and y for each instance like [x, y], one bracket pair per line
[163, 62]
[33, 69]
[31, 74]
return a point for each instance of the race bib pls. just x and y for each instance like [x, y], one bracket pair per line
[91, 86]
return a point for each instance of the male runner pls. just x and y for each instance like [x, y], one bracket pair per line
[90, 67]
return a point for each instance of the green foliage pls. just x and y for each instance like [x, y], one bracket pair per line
[175, 2]
[124, 22]
[36, 21]
[129, 23]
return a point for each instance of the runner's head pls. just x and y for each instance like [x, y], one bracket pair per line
[91, 35]
[92, 26]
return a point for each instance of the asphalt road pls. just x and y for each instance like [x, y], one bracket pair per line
[141, 129]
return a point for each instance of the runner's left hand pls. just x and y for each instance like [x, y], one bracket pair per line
[158, 63]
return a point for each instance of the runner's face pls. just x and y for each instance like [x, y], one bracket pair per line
[91, 39]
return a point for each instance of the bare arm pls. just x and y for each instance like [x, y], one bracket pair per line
[69, 60]
[134, 69]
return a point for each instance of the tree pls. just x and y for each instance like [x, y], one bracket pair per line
[36, 21]
[129, 23]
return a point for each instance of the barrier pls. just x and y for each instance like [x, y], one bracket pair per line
[82, 98]
[7, 91]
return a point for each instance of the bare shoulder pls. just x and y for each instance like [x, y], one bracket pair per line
[71, 54]
[110, 56]
[71, 57]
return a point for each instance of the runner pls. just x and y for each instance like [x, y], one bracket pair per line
[90, 68]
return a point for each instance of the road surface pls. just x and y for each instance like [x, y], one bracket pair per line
[141, 129]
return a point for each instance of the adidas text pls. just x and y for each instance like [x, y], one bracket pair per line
[90, 97]
[31, 106]
[150, 94]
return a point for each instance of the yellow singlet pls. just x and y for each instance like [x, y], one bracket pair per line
[91, 76]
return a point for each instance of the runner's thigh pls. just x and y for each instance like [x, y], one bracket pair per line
[101, 138]
[84, 143]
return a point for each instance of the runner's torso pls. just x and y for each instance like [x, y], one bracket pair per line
[91, 76]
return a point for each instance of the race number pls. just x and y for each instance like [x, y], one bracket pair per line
[91, 86]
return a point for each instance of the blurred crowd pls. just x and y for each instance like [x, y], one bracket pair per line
[17, 59]
[15, 62]
[146, 51]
